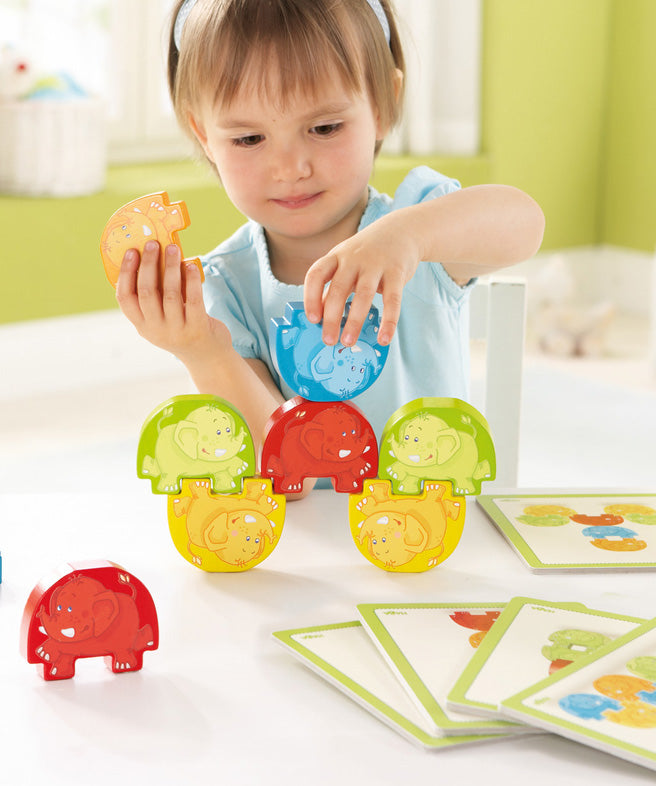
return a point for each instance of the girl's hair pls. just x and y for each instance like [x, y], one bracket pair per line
[227, 44]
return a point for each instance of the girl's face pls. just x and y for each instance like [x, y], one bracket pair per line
[301, 171]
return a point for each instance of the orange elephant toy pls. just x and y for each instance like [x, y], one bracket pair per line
[151, 217]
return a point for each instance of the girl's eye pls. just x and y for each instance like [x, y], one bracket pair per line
[248, 141]
[326, 129]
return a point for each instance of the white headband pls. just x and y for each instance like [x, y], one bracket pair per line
[187, 7]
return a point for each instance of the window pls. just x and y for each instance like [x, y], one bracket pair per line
[117, 50]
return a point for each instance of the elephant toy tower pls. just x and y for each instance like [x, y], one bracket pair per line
[407, 501]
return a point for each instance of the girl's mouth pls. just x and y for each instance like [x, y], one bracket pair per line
[294, 203]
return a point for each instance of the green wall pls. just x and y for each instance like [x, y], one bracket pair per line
[568, 114]
[628, 209]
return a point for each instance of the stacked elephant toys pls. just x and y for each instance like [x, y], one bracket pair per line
[198, 450]
[86, 610]
[319, 439]
[434, 452]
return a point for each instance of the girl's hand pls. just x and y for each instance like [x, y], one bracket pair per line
[383, 257]
[172, 315]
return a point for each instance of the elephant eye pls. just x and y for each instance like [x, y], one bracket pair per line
[406, 438]
[59, 608]
[218, 432]
[416, 439]
[353, 432]
[248, 537]
[69, 609]
[384, 540]
[343, 433]
[257, 540]
[374, 542]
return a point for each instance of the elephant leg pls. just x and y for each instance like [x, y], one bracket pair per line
[123, 660]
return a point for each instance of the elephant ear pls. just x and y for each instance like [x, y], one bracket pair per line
[415, 536]
[312, 439]
[448, 444]
[324, 362]
[105, 609]
[216, 532]
[186, 436]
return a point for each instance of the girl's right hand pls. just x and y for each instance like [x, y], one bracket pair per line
[171, 316]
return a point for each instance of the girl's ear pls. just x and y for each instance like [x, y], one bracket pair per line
[199, 132]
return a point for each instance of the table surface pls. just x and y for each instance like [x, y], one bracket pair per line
[220, 700]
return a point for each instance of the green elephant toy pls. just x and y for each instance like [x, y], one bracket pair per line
[195, 437]
[437, 439]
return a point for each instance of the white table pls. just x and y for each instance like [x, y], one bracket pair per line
[220, 701]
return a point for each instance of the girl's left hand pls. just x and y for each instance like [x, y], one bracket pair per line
[383, 257]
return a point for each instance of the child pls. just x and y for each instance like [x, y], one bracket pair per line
[290, 101]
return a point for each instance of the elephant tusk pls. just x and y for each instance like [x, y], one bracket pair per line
[220, 452]
[344, 453]
[68, 632]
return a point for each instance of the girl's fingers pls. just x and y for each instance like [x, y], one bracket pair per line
[195, 313]
[315, 280]
[360, 305]
[172, 303]
[126, 287]
[148, 290]
[333, 308]
[391, 313]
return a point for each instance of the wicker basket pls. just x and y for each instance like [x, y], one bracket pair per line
[52, 147]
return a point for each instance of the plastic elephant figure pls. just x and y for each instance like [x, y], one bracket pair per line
[206, 443]
[426, 447]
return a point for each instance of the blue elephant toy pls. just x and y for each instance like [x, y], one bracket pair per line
[320, 372]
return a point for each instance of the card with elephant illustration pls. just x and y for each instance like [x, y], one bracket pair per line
[531, 639]
[426, 645]
[577, 532]
[606, 700]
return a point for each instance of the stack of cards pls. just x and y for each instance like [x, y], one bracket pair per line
[445, 675]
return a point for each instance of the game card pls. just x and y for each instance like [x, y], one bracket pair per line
[427, 645]
[606, 700]
[578, 532]
[530, 640]
[344, 655]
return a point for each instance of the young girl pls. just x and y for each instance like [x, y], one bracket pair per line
[290, 101]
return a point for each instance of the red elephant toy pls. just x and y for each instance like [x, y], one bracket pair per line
[90, 610]
[319, 439]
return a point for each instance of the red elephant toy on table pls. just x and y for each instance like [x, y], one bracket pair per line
[89, 610]
[319, 439]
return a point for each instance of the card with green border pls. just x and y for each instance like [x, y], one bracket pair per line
[606, 700]
[427, 645]
[530, 640]
[577, 532]
[344, 656]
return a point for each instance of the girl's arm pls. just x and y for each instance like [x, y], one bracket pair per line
[173, 317]
[470, 232]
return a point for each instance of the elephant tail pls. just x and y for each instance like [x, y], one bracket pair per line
[275, 466]
[181, 506]
[144, 638]
[150, 467]
[482, 470]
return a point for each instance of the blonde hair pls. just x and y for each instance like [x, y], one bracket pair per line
[224, 41]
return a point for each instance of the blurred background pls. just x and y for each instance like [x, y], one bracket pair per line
[553, 96]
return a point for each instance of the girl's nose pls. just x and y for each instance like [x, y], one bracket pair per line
[291, 165]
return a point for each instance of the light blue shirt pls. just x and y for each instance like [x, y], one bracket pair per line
[429, 354]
